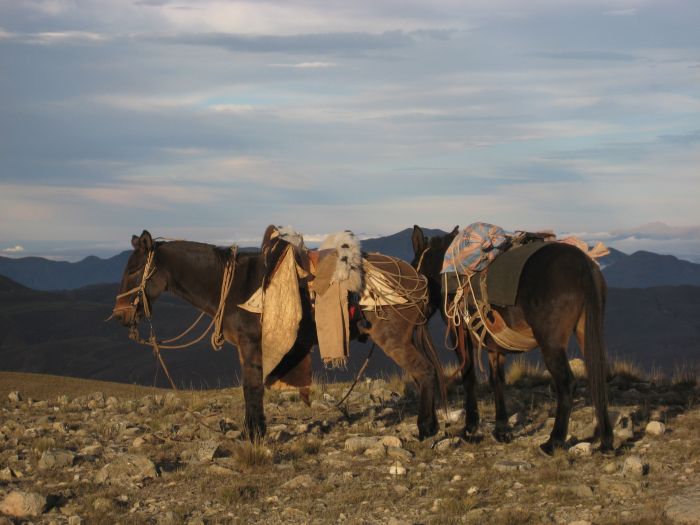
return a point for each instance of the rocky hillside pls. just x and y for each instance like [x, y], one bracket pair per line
[75, 451]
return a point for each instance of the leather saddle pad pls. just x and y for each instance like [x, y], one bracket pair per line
[502, 275]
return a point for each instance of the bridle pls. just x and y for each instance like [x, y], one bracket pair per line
[217, 336]
[148, 270]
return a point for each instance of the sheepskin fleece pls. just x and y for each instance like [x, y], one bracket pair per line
[348, 269]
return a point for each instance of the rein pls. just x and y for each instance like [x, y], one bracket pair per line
[217, 337]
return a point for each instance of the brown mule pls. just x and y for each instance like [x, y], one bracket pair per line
[561, 292]
[193, 271]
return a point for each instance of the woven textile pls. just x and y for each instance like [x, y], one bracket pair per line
[474, 248]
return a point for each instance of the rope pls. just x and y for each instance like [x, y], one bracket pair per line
[416, 296]
[357, 377]
[217, 336]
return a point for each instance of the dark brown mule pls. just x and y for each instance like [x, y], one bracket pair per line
[194, 272]
[561, 292]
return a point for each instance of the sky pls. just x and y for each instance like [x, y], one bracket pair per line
[209, 120]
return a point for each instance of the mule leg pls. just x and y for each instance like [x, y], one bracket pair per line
[558, 366]
[497, 381]
[253, 389]
[403, 352]
[471, 408]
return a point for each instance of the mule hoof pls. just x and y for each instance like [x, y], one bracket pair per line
[255, 429]
[427, 430]
[503, 434]
[550, 446]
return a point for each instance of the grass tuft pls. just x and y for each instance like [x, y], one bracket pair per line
[521, 369]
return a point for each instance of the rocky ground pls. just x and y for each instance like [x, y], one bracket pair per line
[75, 451]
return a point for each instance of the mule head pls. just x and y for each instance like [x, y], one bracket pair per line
[142, 282]
[428, 254]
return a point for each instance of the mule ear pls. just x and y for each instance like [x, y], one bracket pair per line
[267, 236]
[146, 241]
[455, 231]
[135, 241]
[418, 240]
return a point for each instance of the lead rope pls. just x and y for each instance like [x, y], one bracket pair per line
[217, 337]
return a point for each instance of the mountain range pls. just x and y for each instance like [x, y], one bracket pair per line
[52, 320]
[642, 269]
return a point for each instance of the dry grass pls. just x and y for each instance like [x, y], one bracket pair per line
[250, 455]
[520, 369]
[626, 369]
[685, 374]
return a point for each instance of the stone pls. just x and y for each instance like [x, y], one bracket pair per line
[580, 522]
[53, 459]
[581, 449]
[615, 487]
[206, 450]
[103, 504]
[14, 396]
[391, 441]
[359, 444]
[508, 465]
[7, 474]
[218, 470]
[303, 481]
[376, 451]
[74, 520]
[684, 508]
[634, 467]
[399, 453]
[579, 490]
[655, 428]
[472, 490]
[397, 469]
[447, 444]
[23, 504]
[128, 467]
[610, 467]
[455, 416]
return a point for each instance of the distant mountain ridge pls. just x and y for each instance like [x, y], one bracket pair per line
[642, 269]
[64, 333]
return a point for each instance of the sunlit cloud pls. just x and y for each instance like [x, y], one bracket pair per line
[17, 248]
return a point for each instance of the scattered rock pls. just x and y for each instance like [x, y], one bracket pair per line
[684, 509]
[655, 428]
[447, 444]
[303, 481]
[218, 470]
[359, 444]
[634, 467]
[375, 451]
[581, 449]
[52, 459]
[580, 522]
[102, 504]
[397, 469]
[206, 450]
[129, 467]
[23, 504]
[14, 396]
[472, 490]
[610, 467]
[399, 453]
[7, 474]
[617, 488]
[75, 520]
[391, 441]
[455, 416]
[508, 465]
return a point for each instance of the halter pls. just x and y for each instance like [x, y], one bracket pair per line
[148, 270]
[217, 336]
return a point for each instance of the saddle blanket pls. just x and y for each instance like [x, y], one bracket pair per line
[474, 248]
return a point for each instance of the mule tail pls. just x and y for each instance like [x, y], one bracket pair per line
[594, 353]
[425, 344]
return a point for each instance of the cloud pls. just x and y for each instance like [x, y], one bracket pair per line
[317, 43]
[621, 12]
[588, 55]
[307, 65]
[18, 248]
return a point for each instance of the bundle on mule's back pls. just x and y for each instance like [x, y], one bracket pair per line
[339, 273]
